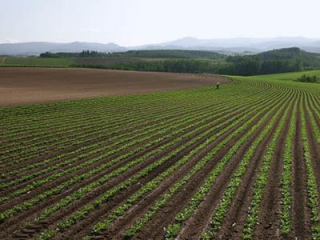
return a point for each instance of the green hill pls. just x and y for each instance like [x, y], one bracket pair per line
[275, 61]
[176, 54]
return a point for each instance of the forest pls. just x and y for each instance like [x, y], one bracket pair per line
[191, 61]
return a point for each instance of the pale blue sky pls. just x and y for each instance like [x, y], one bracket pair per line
[137, 22]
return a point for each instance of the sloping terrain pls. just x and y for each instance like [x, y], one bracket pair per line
[38, 85]
[241, 162]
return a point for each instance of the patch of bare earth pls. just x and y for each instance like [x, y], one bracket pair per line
[38, 85]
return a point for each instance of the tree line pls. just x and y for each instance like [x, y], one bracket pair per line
[276, 61]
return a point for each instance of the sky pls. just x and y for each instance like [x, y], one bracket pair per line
[139, 22]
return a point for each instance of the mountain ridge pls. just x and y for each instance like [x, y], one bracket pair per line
[226, 45]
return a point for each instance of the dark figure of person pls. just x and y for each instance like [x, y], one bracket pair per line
[217, 85]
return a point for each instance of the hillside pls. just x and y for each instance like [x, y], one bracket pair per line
[175, 53]
[275, 61]
[181, 61]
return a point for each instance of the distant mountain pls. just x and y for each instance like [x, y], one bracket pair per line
[225, 46]
[239, 45]
[80, 46]
[36, 48]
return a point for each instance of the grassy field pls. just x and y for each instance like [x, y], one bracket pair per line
[35, 62]
[241, 162]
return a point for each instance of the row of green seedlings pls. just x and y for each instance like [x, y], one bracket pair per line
[159, 130]
[62, 187]
[231, 119]
[260, 88]
[286, 201]
[77, 115]
[94, 135]
[313, 194]
[48, 120]
[82, 213]
[61, 129]
[133, 230]
[64, 130]
[114, 161]
[217, 219]
[318, 106]
[150, 186]
[139, 224]
[122, 115]
[79, 133]
[31, 166]
[103, 225]
[99, 157]
[83, 153]
[103, 166]
[183, 216]
[115, 140]
[259, 186]
[312, 108]
[120, 128]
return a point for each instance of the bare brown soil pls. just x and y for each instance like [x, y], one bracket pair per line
[301, 212]
[39, 85]
[269, 224]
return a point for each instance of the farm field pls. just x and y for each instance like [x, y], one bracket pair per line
[241, 162]
[39, 85]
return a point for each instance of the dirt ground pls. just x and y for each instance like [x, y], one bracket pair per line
[37, 85]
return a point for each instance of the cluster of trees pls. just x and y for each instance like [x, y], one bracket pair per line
[83, 54]
[252, 65]
[265, 63]
[173, 54]
[310, 79]
[276, 61]
[188, 61]
[170, 54]
[178, 66]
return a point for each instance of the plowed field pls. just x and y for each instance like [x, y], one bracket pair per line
[38, 85]
[241, 162]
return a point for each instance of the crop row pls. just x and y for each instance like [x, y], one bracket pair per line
[63, 224]
[189, 143]
[198, 196]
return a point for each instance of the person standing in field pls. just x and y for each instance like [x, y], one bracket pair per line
[217, 85]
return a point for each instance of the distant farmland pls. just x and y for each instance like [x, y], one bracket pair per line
[241, 162]
[38, 85]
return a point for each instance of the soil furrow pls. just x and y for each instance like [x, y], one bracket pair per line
[195, 225]
[314, 146]
[114, 181]
[180, 199]
[86, 182]
[141, 206]
[65, 178]
[43, 176]
[112, 203]
[85, 143]
[269, 224]
[300, 206]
